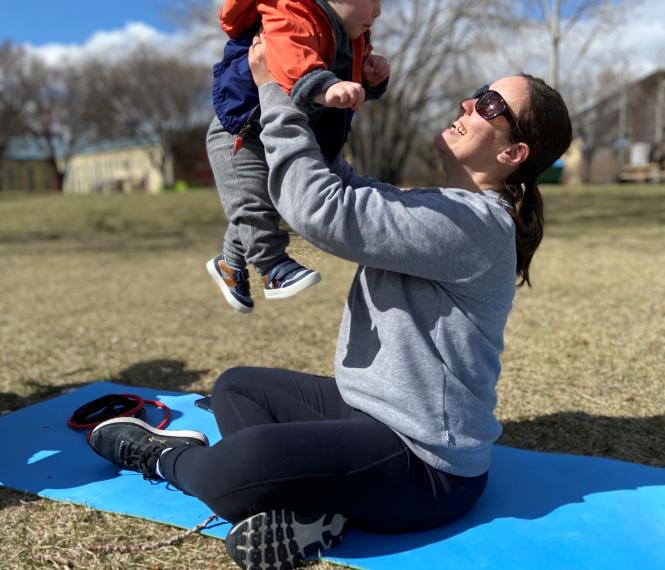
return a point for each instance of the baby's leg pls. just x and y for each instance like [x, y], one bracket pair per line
[253, 234]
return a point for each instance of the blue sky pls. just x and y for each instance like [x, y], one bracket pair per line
[40, 22]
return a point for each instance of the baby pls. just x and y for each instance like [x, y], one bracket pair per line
[318, 51]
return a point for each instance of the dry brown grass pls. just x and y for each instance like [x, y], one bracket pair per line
[115, 288]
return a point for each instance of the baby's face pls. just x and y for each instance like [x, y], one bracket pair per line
[357, 16]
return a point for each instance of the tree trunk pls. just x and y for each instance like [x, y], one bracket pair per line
[58, 176]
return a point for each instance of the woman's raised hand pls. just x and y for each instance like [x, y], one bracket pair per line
[257, 61]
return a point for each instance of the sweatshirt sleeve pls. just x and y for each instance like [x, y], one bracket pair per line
[429, 233]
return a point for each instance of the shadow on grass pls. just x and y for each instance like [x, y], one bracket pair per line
[170, 375]
[631, 439]
[10, 498]
[165, 374]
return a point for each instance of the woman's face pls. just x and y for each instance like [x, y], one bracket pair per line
[476, 143]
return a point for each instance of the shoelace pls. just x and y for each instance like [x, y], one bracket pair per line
[137, 456]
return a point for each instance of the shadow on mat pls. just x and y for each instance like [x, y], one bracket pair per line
[166, 374]
[525, 484]
[10, 401]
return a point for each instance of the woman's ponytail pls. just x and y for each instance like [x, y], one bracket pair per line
[529, 228]
[548, 132]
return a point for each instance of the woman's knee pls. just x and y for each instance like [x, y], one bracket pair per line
[231, 379]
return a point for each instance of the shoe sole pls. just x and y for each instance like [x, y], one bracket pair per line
[285, 292]
[276, 540]
[230, 299]
[190, 434]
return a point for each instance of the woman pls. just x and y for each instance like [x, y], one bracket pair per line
[401, 439]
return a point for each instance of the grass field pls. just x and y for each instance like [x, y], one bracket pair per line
[114, 287]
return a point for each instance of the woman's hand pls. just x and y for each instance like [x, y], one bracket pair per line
[257, 61]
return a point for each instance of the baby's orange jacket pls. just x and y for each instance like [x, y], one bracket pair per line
[298, 36]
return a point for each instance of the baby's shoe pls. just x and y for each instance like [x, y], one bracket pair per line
[288, 278]
[233, 282]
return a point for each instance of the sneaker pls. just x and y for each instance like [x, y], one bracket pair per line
[233, 282]
[135, 445]
[288, 278]
[282, 540]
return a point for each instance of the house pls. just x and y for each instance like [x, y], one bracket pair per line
[26, 166]
[119, 166]
[621, 137]
[122, 165]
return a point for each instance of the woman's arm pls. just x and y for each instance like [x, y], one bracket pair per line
[350, 177]
[427, 233]
[430, 233]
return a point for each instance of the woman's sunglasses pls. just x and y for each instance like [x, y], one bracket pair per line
[491, 104]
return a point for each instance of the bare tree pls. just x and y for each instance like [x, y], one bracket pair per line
[59, 110]
[429, 44]
[153, 98]
[12, 95]
[571, 27]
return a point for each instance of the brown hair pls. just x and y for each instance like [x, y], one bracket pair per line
[546, 128]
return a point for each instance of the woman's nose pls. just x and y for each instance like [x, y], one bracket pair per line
[377, 10]
[467, 106]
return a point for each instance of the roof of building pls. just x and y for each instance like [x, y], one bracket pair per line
[28, 149]
[33, 149]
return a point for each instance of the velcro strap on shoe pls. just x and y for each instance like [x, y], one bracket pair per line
[281, 270]
[240, 275]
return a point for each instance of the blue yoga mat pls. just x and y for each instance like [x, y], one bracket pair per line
[540, 510]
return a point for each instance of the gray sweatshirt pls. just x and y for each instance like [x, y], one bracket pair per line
[422, 331]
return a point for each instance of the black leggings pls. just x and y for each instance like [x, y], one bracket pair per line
[290, 441]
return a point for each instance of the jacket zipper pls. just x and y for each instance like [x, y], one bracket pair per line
[240, 137]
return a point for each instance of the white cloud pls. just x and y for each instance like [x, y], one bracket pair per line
[639, 40]
[200, 43]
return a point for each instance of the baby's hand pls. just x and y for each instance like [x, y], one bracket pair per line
[342, 95]
[376, 70]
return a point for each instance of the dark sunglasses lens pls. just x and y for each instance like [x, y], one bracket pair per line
[491, 105]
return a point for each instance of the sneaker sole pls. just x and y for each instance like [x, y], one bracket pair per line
[276, 540]
[191, 434]
[230, 299]
[285, 292]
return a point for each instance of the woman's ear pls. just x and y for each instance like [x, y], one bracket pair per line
[514, 155]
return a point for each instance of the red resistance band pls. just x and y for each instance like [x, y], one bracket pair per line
[90, 415]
